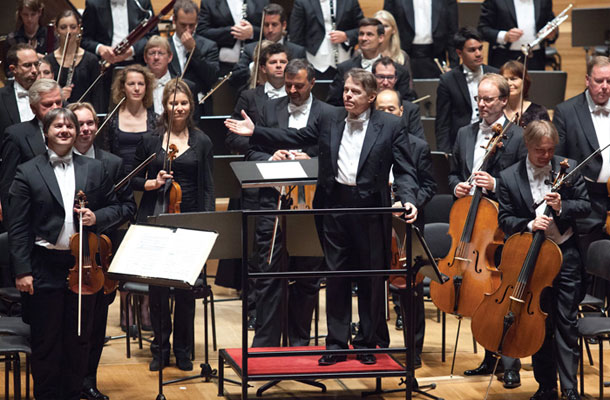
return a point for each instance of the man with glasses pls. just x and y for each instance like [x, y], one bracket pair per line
[468, 154]
[370, 38]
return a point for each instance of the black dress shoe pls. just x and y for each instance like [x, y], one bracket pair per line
[184, 364]
[545, 393]
[399, 323]
[154, 364]
[331, 359]
[571, 394]
[486, 368]
[93, 394]
[251, 322]
[367, 359]
[511, 379]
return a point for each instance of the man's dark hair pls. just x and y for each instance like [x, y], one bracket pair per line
[187, 7]
[11, 56]
[294, 66]
[274, 48]
[52, 115]
[372, 22]
[385, 61]
[275, 9]
[464, 34]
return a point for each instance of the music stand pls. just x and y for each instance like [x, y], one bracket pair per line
[225, 183]
[424, 87]
[146, 251]
[590, 28]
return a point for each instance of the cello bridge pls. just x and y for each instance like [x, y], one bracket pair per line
[516, 299]
[462, 259]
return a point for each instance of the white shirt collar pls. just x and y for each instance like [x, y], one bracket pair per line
[89, 153]
[274, 93]
[591, 103]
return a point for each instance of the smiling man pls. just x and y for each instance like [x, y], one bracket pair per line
[357, 147]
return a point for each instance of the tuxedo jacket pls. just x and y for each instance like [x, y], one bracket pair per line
[37, 206]
[420, 151]
[444, 26]
[9, 111]
[98, 25]
[335, 91]
[512, 151]
[275, 115]
[385, 145]
[453, 106]
[203, 68]
[252, 101]
[306, 26]
[412, 120]
[21, 143]
[500, 15]
[215, 20]
[241, 70]
[516, 201]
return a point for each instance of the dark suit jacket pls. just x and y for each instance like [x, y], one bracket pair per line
[516, 201]
[453, 106]
[512, 151]
[9, 112]
[114, 167]
[420, 151]
[500, 15]
[98, 26]
[241, 70]
[444, 26]
[306, 26]
[21, 143]
[412, 120]
[252, 101]
[215, 20]
[203, 68]
[335, 91]
[38, 210]
[201, 145]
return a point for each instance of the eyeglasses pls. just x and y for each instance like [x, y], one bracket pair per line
[486, 100]
[384, 77]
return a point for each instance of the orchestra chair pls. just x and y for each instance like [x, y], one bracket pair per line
[423, 87]
[9, 295]
[10, 347]
[440, 171]
[320, 89]
[548, 87]
[598, 265]
[552, 58]
[135, 291]
[429, 132]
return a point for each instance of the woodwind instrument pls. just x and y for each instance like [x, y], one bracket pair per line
[70, 74]
[50, 40]
[546, 30]
[333, 23]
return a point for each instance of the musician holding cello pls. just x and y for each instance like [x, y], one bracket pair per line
[42, 221]
[468, 155]
[192, 170]
[520, 186]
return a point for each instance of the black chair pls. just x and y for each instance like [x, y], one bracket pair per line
[429, 132]
[598, 265]
[438, 210]
[135, 291]
[9, 295]
[440, 171]
[10, 347]
[552, 58]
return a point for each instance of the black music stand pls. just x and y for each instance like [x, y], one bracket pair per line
[143, 255]
[590, 28]
[419, 259]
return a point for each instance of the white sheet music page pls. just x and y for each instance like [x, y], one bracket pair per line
[159, 252]
[281, 170]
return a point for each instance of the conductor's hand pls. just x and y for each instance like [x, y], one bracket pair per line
[241, 128]
[88, 216]
[484, 180]
[462, 189]
[25, 284]
[513, 35]
[409, 210]
[554, 201]
[541, 223]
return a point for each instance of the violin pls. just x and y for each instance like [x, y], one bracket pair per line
[475, 236]
[509, 321]
[87, 276]
[175, 191]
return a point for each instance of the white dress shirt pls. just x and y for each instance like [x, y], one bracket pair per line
[231, 54]
[158, 92]
[539, 179]
[367, 63]
[120, 24]
[351, 147]
[23, 103]
[485, 133]
[89, 153]
[526, 21]
[422, 10]
[601, 122]
[274, 93]
[325, 57]
[473, 78]
[180, 51]
[298, 115]
[64, 173]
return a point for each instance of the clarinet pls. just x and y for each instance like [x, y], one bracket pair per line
[70, 74]
[333, 21]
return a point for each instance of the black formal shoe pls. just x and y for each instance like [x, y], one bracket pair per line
[154, 364]
[251, 322]
[184, 364]
[399, 323]
[545, 393]
[367, 359]
[511, 379]
[571, 394]
[486, 368]
[93, 394]
[331, 359]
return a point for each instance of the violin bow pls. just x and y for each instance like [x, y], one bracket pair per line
[63, 56]
[218, 84]
[258, 52]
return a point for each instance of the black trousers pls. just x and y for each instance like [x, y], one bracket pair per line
[184, 321]
[499, 56]
[98, 336]
[355, 242]
[59, 355]
[560, 352]
[423, 65]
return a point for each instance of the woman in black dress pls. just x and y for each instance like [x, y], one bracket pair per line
[513, 72]
[192, 169]
[86, 66]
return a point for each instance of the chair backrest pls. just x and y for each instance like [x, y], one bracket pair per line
[4, 248]
[548, 87]
[424, 87]
[440, 171]
[598, 259]
[438, 209]
[428, 124]
[438, 239]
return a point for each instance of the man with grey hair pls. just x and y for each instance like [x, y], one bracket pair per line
[25, 140]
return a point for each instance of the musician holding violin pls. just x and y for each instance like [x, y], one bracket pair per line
[522, 185]
[192, 170]
[40, 228]
[466, 174]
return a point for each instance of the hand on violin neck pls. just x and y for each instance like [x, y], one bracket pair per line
[553, 200]
[541, 223]
[88, 216]
[159, 181]
[462, 189]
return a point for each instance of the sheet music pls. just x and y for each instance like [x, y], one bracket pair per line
[281, 170]
[159, 252]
